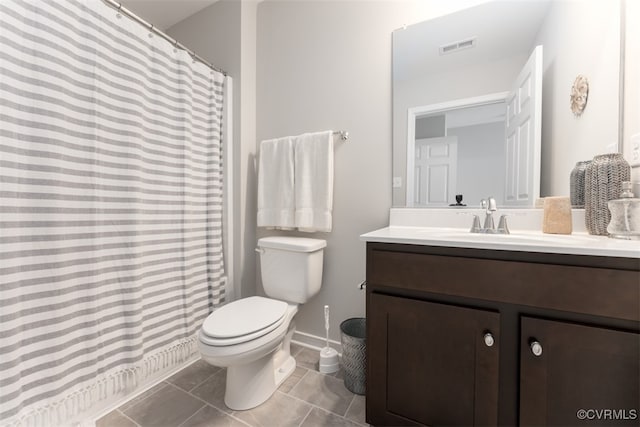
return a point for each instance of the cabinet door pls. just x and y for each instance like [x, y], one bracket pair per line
[584, 375]
[428, 363]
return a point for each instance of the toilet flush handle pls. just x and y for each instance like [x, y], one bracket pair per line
[260, 250]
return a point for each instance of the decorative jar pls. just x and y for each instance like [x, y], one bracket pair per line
[603, 182]
[576, 184]
[625, 215]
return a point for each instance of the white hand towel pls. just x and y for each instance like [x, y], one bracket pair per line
[276, 202]
[314, 181]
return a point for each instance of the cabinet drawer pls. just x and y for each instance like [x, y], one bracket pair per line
[595, 291]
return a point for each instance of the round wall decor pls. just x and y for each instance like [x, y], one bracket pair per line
[579, 95]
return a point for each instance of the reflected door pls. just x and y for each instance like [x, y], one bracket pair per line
[524, 133]
[435, 170]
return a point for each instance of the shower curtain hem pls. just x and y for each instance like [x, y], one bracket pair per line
[118, 381]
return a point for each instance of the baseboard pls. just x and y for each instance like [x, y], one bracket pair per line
[314, 342]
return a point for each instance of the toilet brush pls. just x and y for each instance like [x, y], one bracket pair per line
[329, 362]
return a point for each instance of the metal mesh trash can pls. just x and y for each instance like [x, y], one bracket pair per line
[352, 337]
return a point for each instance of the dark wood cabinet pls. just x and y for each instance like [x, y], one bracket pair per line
[577, 373]
[439, 369]
[429, 309]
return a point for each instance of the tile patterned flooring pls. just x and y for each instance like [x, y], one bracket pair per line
[194, 397]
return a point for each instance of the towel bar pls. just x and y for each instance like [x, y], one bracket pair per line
[344, 135]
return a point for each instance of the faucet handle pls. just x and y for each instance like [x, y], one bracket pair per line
[483, 203]
[503, 228]
[475, 227]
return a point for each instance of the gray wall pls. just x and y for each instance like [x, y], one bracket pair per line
[594, 51]
[327, 65]
[224, 34]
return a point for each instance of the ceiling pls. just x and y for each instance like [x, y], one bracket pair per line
[501, 29]
[165, 13]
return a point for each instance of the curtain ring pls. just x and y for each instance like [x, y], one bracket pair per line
[151, 30]
[175, 46]
[118, 14]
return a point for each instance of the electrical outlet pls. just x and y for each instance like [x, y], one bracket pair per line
[635, 150]
[397, 182]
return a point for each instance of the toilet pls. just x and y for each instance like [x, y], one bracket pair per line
[251, 336]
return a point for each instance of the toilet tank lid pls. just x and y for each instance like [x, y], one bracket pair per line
[294, 244]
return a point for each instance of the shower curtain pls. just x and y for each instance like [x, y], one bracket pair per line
[110, 206]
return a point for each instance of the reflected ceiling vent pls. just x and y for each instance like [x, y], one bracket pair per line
[458, 46]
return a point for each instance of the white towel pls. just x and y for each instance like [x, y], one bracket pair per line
[276, 202]
[314, 181]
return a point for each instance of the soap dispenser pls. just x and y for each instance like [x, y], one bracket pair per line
[625, 215]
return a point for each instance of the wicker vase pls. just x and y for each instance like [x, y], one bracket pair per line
[603, 182]
[576, 184]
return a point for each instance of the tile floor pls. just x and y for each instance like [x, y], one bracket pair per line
[194, 397]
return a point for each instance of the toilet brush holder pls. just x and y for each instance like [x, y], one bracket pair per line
[329, 362]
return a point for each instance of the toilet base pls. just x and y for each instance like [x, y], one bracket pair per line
[251, 384]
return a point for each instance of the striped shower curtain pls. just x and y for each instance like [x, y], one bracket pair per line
[110, 206]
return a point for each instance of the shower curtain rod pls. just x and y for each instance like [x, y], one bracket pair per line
[176, 44]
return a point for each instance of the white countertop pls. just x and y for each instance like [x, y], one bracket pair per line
[524, 241]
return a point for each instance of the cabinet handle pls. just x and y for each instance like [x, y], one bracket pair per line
[488, 339]
[536, 348]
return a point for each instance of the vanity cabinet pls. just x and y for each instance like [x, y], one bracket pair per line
[459, 336]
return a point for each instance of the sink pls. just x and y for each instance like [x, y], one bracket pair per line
[530, 238]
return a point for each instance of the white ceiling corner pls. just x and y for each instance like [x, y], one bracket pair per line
[165, 13]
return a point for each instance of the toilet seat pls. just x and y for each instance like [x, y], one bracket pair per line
[243, 320]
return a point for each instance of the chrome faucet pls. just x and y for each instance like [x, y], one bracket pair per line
[489, 226]
[490, 204]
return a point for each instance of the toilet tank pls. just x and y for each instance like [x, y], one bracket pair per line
[291, 267]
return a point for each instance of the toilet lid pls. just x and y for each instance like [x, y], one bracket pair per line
[243, 317]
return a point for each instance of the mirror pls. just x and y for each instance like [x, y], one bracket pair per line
[445, 64]
[446, 147]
